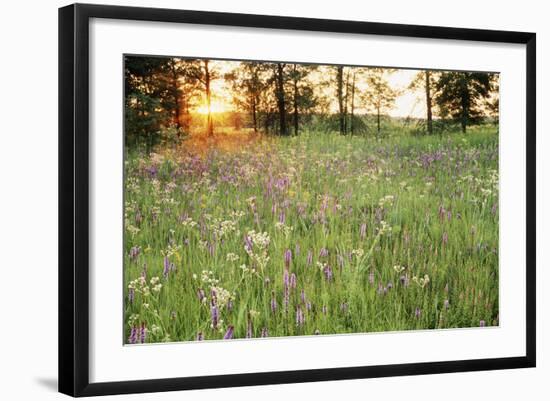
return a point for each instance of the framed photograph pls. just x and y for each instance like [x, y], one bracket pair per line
[250, 199]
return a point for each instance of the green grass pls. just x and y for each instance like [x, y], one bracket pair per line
[430, 206]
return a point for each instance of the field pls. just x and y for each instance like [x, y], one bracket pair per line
[311, 234]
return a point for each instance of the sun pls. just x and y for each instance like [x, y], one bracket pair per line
[215, 107]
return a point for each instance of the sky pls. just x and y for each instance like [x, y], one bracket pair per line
[410, 103]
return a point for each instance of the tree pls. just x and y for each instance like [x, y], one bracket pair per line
[340, 97]
[280, 93]
[379, 96]
[248, 86]
[425, 80]
[303, 98]
[461, 95]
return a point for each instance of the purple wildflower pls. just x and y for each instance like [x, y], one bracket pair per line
[273, 302]
[249, 328]
[282, 217]
[201, 294]
[143, 333]
[303, 296]
[363, 230]
[215, 314]
[309, 257]
[389, 286]
[229, 333]
[264, 332]
[404, 280]
[328, 272]
[248, 245]
[166, 269]
[131, 294]
[133, 335]
[300, 318]
[288, 258]
[293, 281]
[200, 336]
[482, 323]
[323, 252]
[134, 253]
[417, 312]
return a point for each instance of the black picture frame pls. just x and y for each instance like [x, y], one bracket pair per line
[74, 198]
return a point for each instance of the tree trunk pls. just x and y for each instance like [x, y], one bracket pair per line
[295, 102]
[429, 103]
[209, 122]
[346, 104]
[175, 94]
[254, 117]
[464, 103]
[281, 99]
[340, 84]
[352, 103]
[378, 120]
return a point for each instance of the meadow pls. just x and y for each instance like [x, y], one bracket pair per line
[319, 233]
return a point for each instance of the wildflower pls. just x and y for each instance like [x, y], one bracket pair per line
[133, 335]
[303, 296]
[344, 307]
[323, 252]
[215, 314]
[404, 280]
[134, 253]
[143, 333]
[288, 258]
[300, 319]
[417, 312]
[166, 269]
[308, 306]
[201, 294]
[482, 323]
[231, 257]
[389, 286]
[328, 272]
[264, 332]
[200, 336]
[131, 294]
[309, 257]
[229, 333]
[363, 230]
[249, 328]
[398, 268]
[273, 302]
[293, 281]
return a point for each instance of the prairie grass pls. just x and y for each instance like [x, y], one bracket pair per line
[311, 234]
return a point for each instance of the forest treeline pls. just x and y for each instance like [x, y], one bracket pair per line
[162, 95]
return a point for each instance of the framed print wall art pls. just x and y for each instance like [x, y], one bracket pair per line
[249, 199]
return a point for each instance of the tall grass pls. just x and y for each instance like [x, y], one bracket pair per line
[340, 234]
